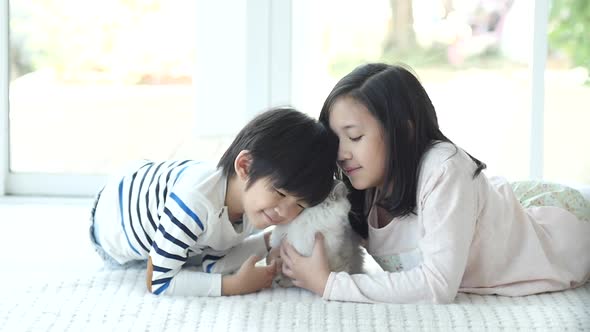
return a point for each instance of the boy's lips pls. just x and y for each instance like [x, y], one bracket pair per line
[269, 219]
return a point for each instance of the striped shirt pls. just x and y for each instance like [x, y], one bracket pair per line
[175, 213]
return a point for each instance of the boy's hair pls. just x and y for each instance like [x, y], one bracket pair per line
[395, 97]
[296, 152]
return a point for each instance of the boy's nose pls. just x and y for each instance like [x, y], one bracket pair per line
[286, 210]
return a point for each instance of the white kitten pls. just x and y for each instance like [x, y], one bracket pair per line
[330, 218]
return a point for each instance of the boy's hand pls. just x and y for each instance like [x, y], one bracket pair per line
[267, 239]
[273, 255]
[249, 278]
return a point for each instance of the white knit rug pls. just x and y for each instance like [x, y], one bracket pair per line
[117, 300]
[52, 281]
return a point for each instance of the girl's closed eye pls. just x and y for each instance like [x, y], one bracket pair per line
[356, 139]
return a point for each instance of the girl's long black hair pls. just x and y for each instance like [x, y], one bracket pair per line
[397, 99]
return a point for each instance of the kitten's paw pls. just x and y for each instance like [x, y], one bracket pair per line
[283, 281]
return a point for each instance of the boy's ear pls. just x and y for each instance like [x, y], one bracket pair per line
[242, 164]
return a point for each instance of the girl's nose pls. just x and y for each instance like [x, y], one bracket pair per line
[344, 153]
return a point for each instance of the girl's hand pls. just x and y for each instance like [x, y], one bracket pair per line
[307, 272]
[249, 278]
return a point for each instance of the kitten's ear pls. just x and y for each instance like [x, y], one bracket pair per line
[339, 190]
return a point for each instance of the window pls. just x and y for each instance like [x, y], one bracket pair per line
[476, 61]
[567, 93]
[96, 85]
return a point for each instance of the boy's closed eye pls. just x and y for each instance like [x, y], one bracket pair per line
[302, 205]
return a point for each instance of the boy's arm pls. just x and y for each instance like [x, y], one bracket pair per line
[189, 282]
[182, 222]
[256, 244]
[248, 279]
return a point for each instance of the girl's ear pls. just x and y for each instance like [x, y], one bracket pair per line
[242, 164]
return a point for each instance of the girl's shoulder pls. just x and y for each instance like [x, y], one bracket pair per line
[445, 159]
[448, 169]
[445, 154]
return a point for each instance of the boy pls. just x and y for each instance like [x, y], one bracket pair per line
[191, 221]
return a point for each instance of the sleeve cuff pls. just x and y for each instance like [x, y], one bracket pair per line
[189, 282]
[256, 245]
[328, 287]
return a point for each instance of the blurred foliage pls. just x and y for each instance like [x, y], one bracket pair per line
[149, 41]
[569, 30]
[418, 57]
[124, 41]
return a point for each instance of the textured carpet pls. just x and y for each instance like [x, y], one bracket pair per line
[52, 281]
[117, 300]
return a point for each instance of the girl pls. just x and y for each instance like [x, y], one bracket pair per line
[433, 221]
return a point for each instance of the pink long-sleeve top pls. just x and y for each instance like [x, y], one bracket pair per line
[468, 235]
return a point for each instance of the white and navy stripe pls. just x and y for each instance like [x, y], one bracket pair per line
[161, 219]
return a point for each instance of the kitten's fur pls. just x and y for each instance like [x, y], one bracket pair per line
[330, 218]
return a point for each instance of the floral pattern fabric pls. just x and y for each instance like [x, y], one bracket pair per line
[539, 193]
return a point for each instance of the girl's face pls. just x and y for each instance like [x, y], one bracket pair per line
[361, 152]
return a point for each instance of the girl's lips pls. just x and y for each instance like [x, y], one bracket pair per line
[351, 170]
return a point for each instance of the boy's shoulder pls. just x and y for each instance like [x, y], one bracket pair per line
[197, 172]
[202, 183]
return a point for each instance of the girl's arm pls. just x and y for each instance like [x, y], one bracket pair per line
[307, 272]
[448, 212]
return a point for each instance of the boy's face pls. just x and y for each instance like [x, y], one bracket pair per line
[265, 205]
